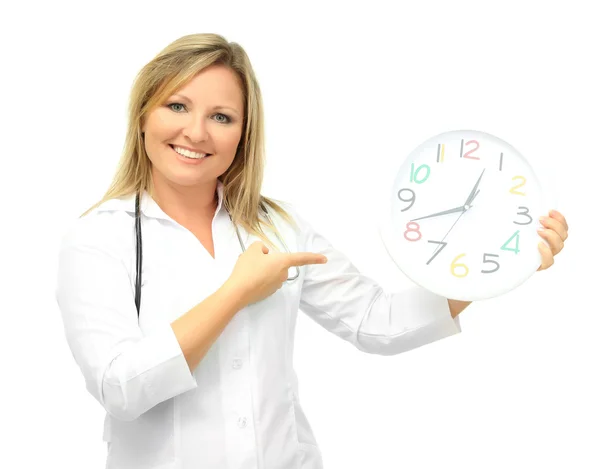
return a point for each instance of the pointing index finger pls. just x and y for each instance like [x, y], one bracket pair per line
[305, 258]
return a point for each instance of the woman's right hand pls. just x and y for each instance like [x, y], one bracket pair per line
[258, 273]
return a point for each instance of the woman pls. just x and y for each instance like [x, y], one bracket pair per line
[201, 374]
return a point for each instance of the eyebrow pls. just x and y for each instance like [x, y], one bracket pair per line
[185, 98]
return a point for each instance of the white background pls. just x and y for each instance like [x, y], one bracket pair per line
[348, 92]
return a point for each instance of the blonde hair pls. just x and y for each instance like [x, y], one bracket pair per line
[171, 69]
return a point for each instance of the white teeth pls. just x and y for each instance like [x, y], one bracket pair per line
[189, 154]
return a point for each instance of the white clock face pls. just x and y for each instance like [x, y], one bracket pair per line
[488, 242]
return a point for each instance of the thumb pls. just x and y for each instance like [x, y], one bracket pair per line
[260, 245]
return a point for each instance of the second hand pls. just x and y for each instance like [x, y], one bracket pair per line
[456, 221]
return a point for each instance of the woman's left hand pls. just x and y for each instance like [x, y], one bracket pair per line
[556, 231]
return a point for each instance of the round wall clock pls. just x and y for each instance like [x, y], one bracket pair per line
[462, 216]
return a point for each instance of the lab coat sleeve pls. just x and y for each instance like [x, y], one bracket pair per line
[126, 371]
[357, 309]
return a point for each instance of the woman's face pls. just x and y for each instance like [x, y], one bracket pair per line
[206, 116]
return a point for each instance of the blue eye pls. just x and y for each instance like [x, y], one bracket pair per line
[174, 104]
[228, 119]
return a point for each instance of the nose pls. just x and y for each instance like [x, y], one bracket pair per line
[196, 128]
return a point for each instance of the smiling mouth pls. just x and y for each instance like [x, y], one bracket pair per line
[190, 157]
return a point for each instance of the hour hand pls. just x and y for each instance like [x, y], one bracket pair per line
[474, 191]
[453, 210]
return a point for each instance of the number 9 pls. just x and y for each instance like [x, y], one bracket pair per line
[411, 200]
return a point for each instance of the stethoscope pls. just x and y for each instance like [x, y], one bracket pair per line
[138, 257]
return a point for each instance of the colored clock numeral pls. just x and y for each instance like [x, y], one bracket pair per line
[454, 265]
[490, 261]
[506, 247]
[412, 230]
[468, 154]
[440, 152]
[525, 213]
[414, 175]
[411, 200]
[514, 189]
[437, 251]
[442, 147]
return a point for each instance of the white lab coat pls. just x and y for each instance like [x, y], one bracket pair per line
[240, 407]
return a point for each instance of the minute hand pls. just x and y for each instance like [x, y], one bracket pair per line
[453, 210]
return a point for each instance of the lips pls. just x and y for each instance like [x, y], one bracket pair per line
[207, 154]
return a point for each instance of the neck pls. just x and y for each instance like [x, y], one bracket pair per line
[188, 204]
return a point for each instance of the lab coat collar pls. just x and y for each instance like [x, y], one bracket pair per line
[148, 205]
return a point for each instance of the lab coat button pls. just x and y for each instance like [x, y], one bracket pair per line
[242, 422]
[237, 364]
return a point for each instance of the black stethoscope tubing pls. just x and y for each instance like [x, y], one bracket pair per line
[138, 255]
